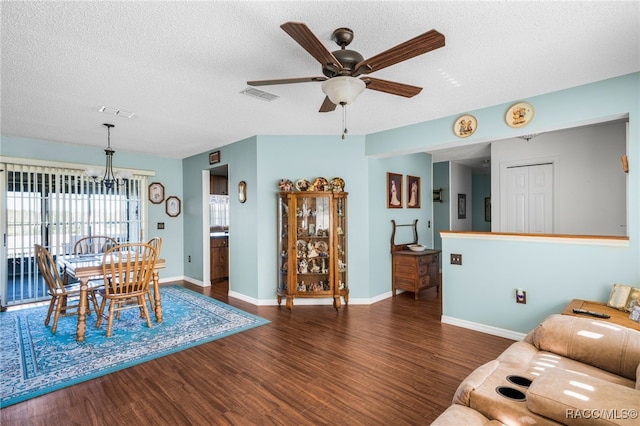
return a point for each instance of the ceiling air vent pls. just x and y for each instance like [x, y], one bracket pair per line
[260, 94]
[116, 111]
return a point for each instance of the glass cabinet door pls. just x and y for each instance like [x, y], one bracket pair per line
[283, 246]
[340, 215]
[313, 229]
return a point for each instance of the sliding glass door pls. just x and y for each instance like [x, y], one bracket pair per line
[55, 207]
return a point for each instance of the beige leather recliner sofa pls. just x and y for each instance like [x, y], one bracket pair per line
[568, 370]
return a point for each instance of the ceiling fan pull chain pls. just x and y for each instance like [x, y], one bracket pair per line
[344, 121]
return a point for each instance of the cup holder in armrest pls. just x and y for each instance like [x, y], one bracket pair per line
[519, 380]
[511, 393]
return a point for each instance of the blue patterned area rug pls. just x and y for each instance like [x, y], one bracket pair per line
[34, 362]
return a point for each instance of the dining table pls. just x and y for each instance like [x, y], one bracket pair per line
[86, 267]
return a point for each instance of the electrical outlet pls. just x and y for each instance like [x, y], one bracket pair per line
[456, 259]
[160, 225]
[521, 296]
[189, 259]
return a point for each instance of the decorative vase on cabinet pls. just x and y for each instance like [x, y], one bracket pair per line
[312, 246]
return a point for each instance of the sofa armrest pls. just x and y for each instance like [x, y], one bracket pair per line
[473, 381]
[461, 415]
[577, 399]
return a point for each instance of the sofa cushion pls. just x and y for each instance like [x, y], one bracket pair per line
[601, 344]
[575, 399]
[546, 361]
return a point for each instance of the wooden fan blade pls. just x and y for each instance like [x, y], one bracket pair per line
[391, 87]
[305, 38]
[285, 81]
[424, 43]
[327, 105]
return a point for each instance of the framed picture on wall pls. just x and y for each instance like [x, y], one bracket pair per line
[462, 206]
[214, 157]
[413, 192]
[156, 192]
[487, 209]
[172, 206]
[394, 191]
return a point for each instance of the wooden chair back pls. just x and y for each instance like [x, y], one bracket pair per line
[94, 244]
[156, 243]
[65, 299]
[49, 270]
[128, 269]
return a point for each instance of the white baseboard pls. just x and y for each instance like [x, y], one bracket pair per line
[483, 328]
[187, 279]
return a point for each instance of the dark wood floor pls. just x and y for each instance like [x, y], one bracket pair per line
[390, 363]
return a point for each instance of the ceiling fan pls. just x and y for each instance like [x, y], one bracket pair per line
[342, 67]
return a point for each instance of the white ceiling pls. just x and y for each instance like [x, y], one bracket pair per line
[180, 66]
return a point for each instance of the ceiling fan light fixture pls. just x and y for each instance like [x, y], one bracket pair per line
[343, 90]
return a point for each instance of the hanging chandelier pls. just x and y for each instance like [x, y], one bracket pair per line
[109, 178]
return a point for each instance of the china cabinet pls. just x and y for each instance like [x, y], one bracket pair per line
[312, 252]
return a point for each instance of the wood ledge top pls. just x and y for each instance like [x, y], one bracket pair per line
[512, 234]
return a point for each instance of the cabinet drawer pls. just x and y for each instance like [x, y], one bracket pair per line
[404, 270]
[424, 281]
[423, 270]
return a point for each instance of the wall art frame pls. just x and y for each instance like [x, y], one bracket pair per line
[413, 192]
[173, 206]
[462, 206]
[487, 209]
[214, 157]
[156, 192]
[394, 190]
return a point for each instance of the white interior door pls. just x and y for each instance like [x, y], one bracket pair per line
[529, 199]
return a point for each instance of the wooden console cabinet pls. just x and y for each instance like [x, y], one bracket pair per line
[219, 259]
[415, 271]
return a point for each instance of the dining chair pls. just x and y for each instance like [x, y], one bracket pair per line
[65, 299]
[94, 244]
[156, 243]
[128, 271]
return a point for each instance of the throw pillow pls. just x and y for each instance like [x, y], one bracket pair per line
[619, 296]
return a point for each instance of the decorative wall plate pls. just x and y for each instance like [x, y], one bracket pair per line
[520, 114]
[303, 185]
[465, 126]
[337, 184]
[320, 184]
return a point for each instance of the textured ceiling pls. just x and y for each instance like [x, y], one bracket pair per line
[180, 66]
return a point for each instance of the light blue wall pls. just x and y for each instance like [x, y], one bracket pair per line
[482, 289]
[380, 216]
[308, 157]
[167, 171]
[441, 216]
[480, 189]
[243, 218]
